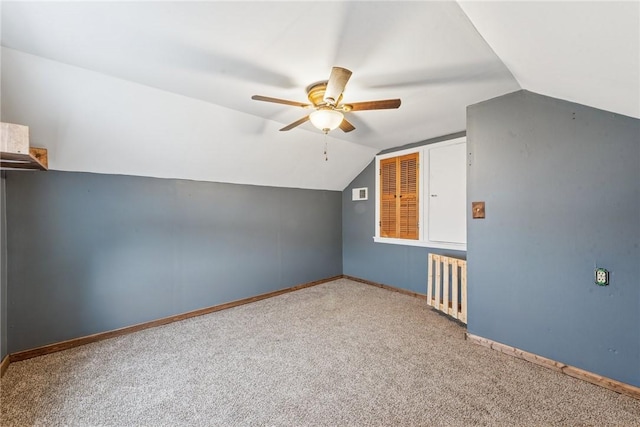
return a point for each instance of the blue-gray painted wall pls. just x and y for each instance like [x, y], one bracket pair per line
[561, 182]
[90, 253]
[3, 269]
[400, 266]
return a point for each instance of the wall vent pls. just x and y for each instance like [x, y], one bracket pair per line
[360, 193]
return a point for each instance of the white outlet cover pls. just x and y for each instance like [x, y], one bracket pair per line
[602, 277]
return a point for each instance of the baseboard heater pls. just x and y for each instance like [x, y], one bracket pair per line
[447, 286]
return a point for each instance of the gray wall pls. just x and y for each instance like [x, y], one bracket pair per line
[90, 253]
[561, 183]
[404, 267]
[3, 269]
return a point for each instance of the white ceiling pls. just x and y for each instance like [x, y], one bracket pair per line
[582, 51]
[163, 88]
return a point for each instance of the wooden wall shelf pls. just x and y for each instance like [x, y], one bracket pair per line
[15, 152]
[36, 159]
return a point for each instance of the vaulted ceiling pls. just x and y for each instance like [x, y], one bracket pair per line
[164, 89]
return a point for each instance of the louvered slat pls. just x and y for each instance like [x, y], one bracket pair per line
[388, 177]
[409, 174]
[388, 219]
[408, 218]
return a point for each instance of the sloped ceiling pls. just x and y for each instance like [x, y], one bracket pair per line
[581, 51]
[163, 88]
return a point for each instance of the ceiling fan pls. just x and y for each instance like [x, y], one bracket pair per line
[326, 97]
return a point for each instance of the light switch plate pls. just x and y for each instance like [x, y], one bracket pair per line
[477, 210]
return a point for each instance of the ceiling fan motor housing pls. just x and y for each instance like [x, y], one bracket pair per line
[315, 93]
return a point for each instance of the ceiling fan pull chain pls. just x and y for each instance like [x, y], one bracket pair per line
[326, 156]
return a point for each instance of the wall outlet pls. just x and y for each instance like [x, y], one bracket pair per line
[602, 277]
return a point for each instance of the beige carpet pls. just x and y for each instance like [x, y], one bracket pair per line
[337, 354]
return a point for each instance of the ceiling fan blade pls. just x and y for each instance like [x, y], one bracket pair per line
[384, 104]
[345, 126]
[336, 84]
[296, 123]
[280, 101]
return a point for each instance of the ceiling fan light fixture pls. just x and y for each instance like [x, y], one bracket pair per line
[326, 119]
[325, 98]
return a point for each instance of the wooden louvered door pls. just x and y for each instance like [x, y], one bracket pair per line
[408, 206]
[399, 197]
[388, 197]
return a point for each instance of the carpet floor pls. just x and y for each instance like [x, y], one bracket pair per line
[337, 354]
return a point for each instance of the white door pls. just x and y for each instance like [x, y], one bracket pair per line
[447, 195]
